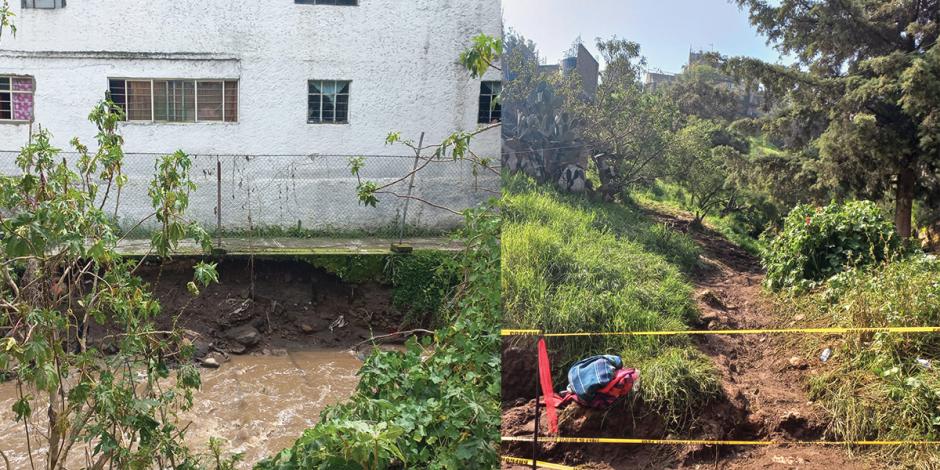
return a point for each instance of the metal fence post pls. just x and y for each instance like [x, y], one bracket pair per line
[411, 186]
[218, 199]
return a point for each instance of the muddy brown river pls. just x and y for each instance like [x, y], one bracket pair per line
[258, 404]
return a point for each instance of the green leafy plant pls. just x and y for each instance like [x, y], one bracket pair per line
[422, 281]
[434, 405]
[819, 242]
[60, 274]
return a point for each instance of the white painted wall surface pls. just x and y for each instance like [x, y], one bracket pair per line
[401, 57]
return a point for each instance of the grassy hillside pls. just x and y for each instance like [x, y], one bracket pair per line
[569, 265]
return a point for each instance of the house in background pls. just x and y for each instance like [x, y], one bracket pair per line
[655, 79]
[278, 94]
[579, 61]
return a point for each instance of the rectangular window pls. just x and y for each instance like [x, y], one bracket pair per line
[328, 2]
[161, 100]
[16, 98]
[44, 4]
[328, 101]
[490, 109]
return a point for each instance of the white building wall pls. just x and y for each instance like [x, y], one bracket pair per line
[401, 57]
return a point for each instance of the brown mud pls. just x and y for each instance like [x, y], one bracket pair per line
[267, 305]
[763, 388]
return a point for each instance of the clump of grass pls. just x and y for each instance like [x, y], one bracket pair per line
[572, 266]
[677, 383]
[874, 387]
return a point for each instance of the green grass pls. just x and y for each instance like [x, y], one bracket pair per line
[570, 266]
[873, 386]
[670, 198]
[392, 230]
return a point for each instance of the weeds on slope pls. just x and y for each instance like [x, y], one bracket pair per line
[569, 266]
[879, 386]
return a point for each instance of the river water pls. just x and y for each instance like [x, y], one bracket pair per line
[259, 404]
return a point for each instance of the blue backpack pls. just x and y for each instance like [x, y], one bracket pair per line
[599, 381]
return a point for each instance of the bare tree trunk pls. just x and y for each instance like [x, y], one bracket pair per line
[904, 202]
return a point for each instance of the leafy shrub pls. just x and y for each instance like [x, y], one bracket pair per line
[817, 243]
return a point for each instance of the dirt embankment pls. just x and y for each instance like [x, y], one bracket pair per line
[764, 396]
[268, 306]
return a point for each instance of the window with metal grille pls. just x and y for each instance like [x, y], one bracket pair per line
[328, 101]
[328, 2]
[490, 109]
[162, 100]
[44, 4]
[16, 98]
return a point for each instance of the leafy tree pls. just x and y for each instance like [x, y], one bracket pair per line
[699, 161]
[703, 90]
[61, 273]
[521, 74]
[627, 128]
[872, 68]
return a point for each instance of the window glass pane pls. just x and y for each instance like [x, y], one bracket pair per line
[485, 102]
[118, 93]
[329, 108]
[44, 3]
[231, 101]
[328, 101]
[139, 101]
[174, 100]
[23, 84]
[490, 109]
[4, 83]
[22, 106]
[313, 108]
[6, 106]
[342, 108]
[210, 101]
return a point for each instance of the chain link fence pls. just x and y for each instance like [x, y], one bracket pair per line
[312, 193]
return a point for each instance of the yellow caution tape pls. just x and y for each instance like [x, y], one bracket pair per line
[833, 331]
[528, 462]
[608, 440]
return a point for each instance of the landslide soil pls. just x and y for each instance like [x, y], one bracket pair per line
[290, 304]
[764, 396]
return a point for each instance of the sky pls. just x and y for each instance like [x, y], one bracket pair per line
[665, 29]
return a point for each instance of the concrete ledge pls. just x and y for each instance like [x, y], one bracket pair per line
[298, 246]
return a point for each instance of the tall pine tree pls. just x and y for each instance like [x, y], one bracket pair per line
[872, 69]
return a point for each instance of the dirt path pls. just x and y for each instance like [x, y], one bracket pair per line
[762, 383]
[761, 378]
